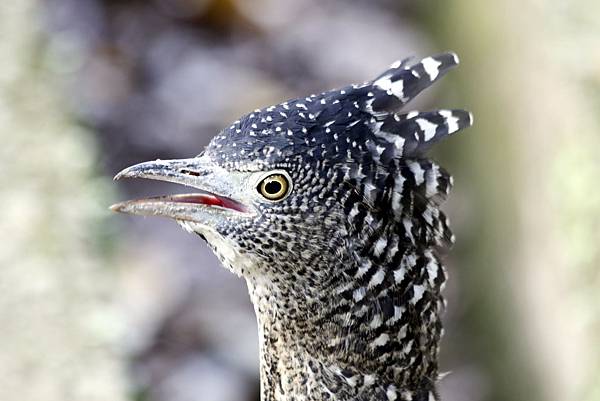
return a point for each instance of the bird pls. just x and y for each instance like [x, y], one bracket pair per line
[329, 208]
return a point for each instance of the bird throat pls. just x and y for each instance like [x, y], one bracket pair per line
[375, 338]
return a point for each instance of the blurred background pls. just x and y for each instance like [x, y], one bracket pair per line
[95, 306]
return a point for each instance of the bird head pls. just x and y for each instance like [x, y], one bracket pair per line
[288, 191]
[267, 192]
[330, 210]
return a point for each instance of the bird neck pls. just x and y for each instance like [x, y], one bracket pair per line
[375, 338]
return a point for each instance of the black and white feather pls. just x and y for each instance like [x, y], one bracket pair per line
[353, 308]
[344, 270]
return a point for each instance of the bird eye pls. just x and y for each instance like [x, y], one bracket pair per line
[274, 187]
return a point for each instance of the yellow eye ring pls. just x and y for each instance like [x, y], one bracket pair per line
[274, 187]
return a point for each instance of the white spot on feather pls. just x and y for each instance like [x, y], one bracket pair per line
[376, 322]
[381, 340]
[432, 271]
[418, 172]
[431, 67]
[451, 120]
[392, 88]
[455, 58]
[391, 393]
[359, 294]
[369, 380]
[427, 127]
[363, 269]
[418, 290]
[377, 278]
[379, 246]
[399, 275]
[432, 181]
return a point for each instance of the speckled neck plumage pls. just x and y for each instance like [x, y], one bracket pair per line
[343, 267]
[368, 326]
[372, 350]
[358, 316]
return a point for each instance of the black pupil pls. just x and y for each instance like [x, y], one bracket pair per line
[273, 187]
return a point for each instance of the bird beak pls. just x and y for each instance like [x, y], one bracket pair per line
[215, 195]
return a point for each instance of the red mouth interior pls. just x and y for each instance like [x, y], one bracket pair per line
[209, 200]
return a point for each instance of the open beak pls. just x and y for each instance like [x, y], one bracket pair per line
[214, 195]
